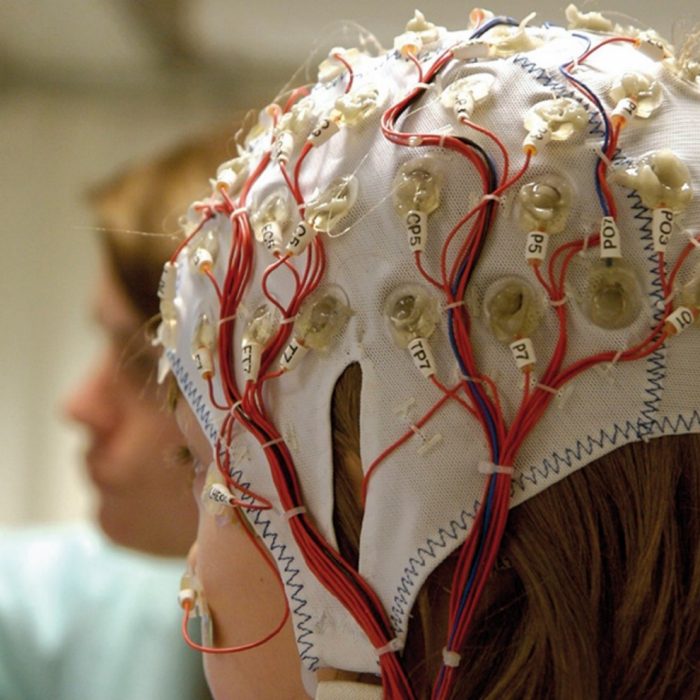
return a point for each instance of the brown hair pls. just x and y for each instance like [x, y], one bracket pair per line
[600, 597]
[150, 198]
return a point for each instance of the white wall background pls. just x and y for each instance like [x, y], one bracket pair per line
[85, 86]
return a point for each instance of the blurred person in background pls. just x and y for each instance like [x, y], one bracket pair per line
[82, 616]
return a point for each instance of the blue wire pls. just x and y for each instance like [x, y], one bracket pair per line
[478, 399]
[495, 22]
[595, 99]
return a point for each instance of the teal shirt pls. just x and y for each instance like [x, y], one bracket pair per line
[81, 619]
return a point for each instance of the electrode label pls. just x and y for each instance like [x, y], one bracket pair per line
[661, 228]
[610, 246]
[292, 355]
[271, 236]
[680, 319]
[325, 129]
[250, 360]
[301, 238]
[416, 228]
[523, 353]
[538, 138]
[203, 362]
[422, 356]
[536, 246]
[625, 108]
[283, 147]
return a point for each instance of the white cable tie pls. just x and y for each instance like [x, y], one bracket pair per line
[416, 430]
[390, 647]
[693, 236]
[428, 444]
[559, 302]
[236, 405]
[290, 319]
[599, 152]
[615, 358]
[494, 197]
[473, 380]
[546, 388]
[272, 442]
[293, 512]
[424, 86]
[239, 211]
[662, 303]
[585, 245]
[454, 305]
[451, 659]
[441, 143]
[226, 319]
[491, 468]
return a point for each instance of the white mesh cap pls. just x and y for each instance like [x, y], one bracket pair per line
[423, 497]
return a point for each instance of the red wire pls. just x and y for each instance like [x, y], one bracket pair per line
[342, 580]
[187, 605]
[351, 75]
[414, 59]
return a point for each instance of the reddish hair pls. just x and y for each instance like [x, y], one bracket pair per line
[599, 594]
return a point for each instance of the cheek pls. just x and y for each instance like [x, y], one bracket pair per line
[246, 603]
[239, 586]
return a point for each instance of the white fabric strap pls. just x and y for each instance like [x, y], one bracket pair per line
[347, 690]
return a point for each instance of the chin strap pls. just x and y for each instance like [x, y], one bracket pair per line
[347, 690]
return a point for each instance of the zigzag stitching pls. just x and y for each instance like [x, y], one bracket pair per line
[419, 561]
[574, 454]
[656, 362]
[306, 645]
[544, 78]
[640, 430]
[642, 214]
[194, 398]
[655, 373]
[278, 550]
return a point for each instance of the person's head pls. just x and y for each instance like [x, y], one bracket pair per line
[134, 457]
[357, 361]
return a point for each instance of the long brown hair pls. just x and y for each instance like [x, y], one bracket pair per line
[599, 592]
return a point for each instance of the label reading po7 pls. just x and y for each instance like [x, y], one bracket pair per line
[610, 246]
